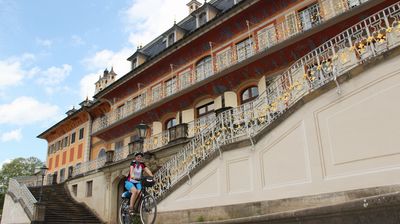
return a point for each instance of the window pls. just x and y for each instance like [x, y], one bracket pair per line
[156, 92]
[70, 171]
[134, 64]
[170, 123]
[75, 189]
[62, 175]
[249, 94]
[224, 59]
[102, 153]
[201, 19]
[184, 79]
[244, 49]
[310, 16]
[89, 188]
[170, 86]
[65, 141]
[205, 109]
[81, 133]
[266, 37]
[119, 145]
[353, 3]
[203, 68]
[73, 138]
[171, 39]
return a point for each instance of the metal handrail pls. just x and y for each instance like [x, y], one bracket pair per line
[283, 31]
[367, 39]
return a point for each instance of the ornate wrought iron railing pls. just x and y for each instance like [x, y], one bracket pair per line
[21, 192]
[292, 25]
[363, 41]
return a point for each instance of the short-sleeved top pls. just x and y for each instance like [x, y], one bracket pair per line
[138, 168]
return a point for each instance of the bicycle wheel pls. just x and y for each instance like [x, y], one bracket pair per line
[148, 210]
[123, 216]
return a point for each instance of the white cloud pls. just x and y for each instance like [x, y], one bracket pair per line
[4, 162]
[146, 20]
[54, 75]
[100, 61]
[14, 135]
[27, 110]
[12, 71]
[87, 84]
[77, 40]
[107, 58]
[44, 42]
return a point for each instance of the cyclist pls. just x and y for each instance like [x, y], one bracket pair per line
[132, 183]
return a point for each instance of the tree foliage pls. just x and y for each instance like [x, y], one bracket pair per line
[15, 168]
[18, 167]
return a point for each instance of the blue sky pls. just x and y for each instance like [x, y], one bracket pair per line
[52, 52]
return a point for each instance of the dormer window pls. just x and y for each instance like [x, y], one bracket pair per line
[134, 63]
[171, 39]
[201, 19]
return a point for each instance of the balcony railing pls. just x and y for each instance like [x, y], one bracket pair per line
[293, 24]
[361, 42]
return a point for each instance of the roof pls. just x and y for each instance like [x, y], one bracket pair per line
[158, 45]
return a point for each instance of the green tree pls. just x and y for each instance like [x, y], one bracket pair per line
[15, 168]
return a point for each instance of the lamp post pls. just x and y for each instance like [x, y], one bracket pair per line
[43, 170]
[137, 144]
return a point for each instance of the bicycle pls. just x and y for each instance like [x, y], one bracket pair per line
[145, 203]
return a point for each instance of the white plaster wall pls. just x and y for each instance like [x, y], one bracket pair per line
[99, 200]
[333, 143]
[13, 213]
[230, 99]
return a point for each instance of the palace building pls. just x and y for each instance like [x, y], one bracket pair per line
[246, 109]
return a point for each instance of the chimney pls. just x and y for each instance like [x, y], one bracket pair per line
[193, 5]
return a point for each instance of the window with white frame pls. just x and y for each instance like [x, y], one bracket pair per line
[134, 63]
[203, 68]
[101, 154]
[184, 79]
[244, 49]
[266, 37]
[171, 39]
[170, 123]
[170, 86]
[119, 145]
[156, 92]
[224, 58]
[201, 19]
[310, 16]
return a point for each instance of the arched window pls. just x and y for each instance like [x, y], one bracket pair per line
[102, 153]
[249, 94]
[170, 123]
[203, 68]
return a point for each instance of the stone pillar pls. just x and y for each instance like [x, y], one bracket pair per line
[39, 211]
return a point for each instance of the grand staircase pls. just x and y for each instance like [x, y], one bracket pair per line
[61, 208]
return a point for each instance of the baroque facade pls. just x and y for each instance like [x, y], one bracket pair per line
[221, 84]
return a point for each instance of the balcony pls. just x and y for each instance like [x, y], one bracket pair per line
[293, 24]
[358, 44]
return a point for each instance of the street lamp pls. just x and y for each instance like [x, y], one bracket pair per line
[137, 144]
[43, 170]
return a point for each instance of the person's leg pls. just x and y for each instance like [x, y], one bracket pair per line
[131, 188]
[134, 193]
